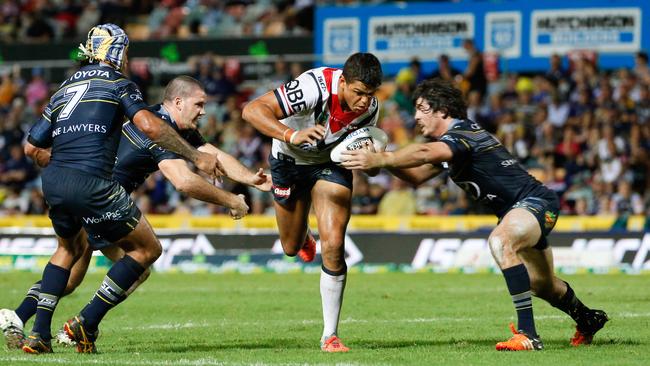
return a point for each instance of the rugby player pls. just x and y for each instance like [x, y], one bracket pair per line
[306, 117]
[82, 125]
[182, 106]
[486, 171]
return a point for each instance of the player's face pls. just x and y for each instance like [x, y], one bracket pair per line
[356, 95]
[431, 123]
[191, 109]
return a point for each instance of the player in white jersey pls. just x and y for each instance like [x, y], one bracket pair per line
[306, 117]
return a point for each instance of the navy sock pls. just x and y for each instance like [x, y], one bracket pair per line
[518, 283]
[570, 304]
[27, 308]
[122, 275]
[55, 279]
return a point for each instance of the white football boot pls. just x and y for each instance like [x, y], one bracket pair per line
[12, 329]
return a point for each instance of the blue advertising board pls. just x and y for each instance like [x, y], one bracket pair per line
[524, 34]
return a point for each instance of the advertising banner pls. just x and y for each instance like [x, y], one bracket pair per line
[397, 38]
[371, 251]
[606, 30]
[522, 33]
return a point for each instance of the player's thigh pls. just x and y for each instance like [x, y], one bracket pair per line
[332, 208]
[292, 220]
[291, 195]
[517, 230]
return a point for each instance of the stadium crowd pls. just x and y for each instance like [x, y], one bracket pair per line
[43, 21]
[583, 132]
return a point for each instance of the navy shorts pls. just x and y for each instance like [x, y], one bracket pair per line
[78, 199]
[291, 181]
[97, 242]
[546, 209]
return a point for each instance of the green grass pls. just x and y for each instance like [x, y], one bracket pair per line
[387, 319]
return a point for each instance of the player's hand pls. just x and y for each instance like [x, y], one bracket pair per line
[240, 208]
[43, 158]
[262, 181]
[210, 164]
[361, 159]
[310, 135]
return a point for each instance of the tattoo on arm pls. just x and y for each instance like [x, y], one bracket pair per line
[170, 140]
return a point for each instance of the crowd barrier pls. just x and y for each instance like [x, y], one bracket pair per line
[373, 244]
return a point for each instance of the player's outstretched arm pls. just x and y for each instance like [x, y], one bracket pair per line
[39, 155]
[236, 171]
[264, 113]
[187, 182]
[407, 157]
[167, 138]
[417, 175]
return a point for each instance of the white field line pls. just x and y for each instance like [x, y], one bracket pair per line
[175, 326]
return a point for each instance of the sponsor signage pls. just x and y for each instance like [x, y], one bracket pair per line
[219, 252]
[342, 39]
[606, 30]
[398, 38]
[503, 33]
[520, 33]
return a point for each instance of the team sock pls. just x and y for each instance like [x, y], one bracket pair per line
[332, 285]
[518, 283]
[570, 304]
[53, 284]
[27, 308]
[118, 280]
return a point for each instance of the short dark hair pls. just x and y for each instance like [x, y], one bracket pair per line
[642, 55]
[181, 86]
[442, 97]
[363, 67]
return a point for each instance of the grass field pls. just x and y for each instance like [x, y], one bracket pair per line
[387, 319]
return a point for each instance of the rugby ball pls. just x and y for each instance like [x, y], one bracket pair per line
[359, 139]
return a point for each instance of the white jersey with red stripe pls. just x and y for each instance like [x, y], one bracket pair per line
[313, 98]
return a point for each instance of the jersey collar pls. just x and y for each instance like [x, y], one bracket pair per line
[454, 122]
[164, 113]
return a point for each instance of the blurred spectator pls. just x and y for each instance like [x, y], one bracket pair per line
[37, 89]
[623, 204]
[556, 71]
[445, 70]
[399, 200]
[17, 170]
[474, 75]
[641, 68]
[362, 202]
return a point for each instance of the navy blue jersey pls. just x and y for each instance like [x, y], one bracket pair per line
[138, 156]
[83, 121]
[484, 169]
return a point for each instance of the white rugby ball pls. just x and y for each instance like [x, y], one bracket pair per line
[359, 139]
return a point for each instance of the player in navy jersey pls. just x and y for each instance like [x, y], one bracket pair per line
[306, 117]
[82, 126]
[488, 173]
[183, 105]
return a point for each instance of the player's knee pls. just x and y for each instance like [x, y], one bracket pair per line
[290, 247]
[69, 288]
[155, 251]
[290, 250]
[496, 245]
[149, 253]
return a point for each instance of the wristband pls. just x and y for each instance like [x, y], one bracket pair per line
[284, 135]
[293, 135]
